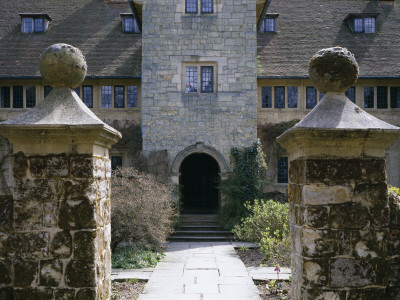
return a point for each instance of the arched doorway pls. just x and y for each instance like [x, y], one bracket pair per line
[199, 180]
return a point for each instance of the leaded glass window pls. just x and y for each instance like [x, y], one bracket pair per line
[351, 94]
[369, 25]
[38, 24]
[358, 25]
[266, 97]
[5, 96]
[130, 25]
[30, 96]
[191, 79]
[87, 95]
[191, 6]
[27, 25]
[106, 96]
[132, 96]
[18, 97]
[207, 6]
[292, 94]
[395, 97]
[283, 166]
[47, 89]
[381, 97]
[207, 78]
[270, 25]
[119, 96]
[279, 97]
[311, 97]
[368, 97]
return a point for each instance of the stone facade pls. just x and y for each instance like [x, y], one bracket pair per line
[55, 228]
[173, 120]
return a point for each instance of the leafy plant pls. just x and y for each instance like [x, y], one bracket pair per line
[143, 209]
[243, 185]
[267, 225]
[134, 257]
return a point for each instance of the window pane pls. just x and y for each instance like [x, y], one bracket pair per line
[394, 97]
[30, 95]
[292, 95]
[351, 94]
[106, 97]
[207, 6]
[38, 24]
[369, 25]
[358, 25]
[321, 95]
[18, 97]
[5, 96]
[119, 96]
[207, 77]
[270, 24]
[116, 162]
[132, 96]
[368, 97]
[311, 97]
[191, 80]
[283, 169]
[191, 6]
[266, 97]
[47, 90]
[87, 95]
[27, 25]
[279, 97]
[381, 97]
[78, 91]
[128, 24]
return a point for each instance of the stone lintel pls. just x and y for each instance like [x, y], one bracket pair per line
[346, 143]
[57, 139]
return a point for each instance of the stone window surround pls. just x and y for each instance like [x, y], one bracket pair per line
[125, 97]
[273, 96]
[24, 86]
[199, 65]
[216, 9]
[375, 86]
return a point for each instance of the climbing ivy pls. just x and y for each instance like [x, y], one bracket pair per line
[243, 185]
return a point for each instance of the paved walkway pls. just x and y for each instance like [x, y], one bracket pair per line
[200, 271]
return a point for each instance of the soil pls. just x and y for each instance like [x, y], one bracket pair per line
[254, 258]
[127, 290]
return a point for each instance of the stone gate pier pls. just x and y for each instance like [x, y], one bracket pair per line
[55, 229]
[338, 192]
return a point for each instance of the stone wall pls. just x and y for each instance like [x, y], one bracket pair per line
[394, 245]
[173, 120]
[55, 228]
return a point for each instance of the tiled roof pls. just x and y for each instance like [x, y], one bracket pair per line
[94, 26]
[305, 26]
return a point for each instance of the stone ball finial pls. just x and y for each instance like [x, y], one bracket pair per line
[63, 65]
[333, 70]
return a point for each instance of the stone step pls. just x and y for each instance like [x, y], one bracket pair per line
[200, 239]
[199, 223]
[199, 217]
[200, 227]
[197, 233]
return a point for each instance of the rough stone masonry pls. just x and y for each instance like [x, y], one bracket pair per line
[341, 221]
[55, 208]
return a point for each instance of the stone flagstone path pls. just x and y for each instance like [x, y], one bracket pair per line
[200, 271]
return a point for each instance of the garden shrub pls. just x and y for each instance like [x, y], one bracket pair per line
[142, 209]
[243, 184]
[268, 226]
[135, 257]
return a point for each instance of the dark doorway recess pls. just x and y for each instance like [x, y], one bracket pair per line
[199, 180]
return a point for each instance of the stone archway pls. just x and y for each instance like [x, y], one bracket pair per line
[198, 169]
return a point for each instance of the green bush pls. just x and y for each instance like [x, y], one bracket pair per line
[142, 209]
[268, 226]
[243, 184]
[134, 257]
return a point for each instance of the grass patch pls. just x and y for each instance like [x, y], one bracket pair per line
[134, 257]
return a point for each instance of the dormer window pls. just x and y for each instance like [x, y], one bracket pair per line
[34, 23]
[269, 23]
[129, 24]
[362, 23]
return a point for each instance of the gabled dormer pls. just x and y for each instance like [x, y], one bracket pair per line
[129, 23]
[362, 22]
[34, 22]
